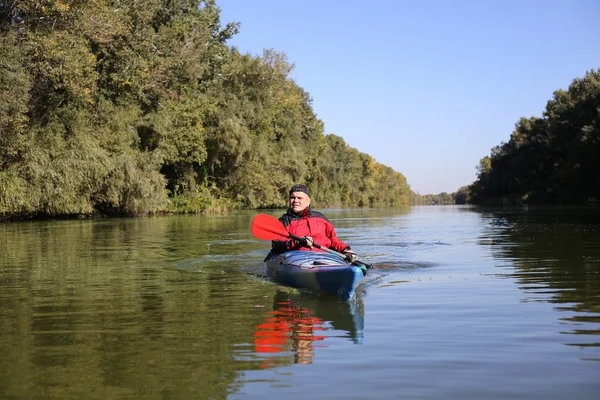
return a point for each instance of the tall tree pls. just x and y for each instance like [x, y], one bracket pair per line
[555, 158]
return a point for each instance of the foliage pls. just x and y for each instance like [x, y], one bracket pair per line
[135, 107]
[462, 195]
[553, 159]
[435, 199]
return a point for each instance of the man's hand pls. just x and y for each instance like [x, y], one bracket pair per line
[350, 256]
[307, 241]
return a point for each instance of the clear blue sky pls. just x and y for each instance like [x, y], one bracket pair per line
[425, 87]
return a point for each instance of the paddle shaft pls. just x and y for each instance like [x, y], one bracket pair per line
[318, 246]
[267, 227]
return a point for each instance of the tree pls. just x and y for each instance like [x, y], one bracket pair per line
[555, 158]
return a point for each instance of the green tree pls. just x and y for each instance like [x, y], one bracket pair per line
[555, 158]
[129, 107]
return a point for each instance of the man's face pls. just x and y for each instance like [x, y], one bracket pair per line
[299, 201]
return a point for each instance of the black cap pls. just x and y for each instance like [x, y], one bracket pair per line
[300, 188]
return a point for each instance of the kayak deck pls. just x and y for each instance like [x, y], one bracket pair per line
[315, 271]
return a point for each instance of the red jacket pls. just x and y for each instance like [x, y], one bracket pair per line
[308, 223]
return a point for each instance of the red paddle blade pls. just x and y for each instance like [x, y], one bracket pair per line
[266, 227]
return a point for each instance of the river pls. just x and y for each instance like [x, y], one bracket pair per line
[464, 303]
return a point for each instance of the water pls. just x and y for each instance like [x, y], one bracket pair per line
[465, 303]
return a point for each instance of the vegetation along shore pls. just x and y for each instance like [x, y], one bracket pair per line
[133, 108]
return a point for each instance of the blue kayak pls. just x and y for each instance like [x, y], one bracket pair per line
[316, 271]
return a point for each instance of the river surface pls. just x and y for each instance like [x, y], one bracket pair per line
[464, 303]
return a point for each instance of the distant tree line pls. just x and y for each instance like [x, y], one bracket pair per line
[443, 198]
[128, 107]
[552, 159]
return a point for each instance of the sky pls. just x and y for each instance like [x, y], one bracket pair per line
[425, 87]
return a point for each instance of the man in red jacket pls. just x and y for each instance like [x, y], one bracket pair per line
[311, 225]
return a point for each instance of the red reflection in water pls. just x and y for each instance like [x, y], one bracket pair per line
[288, 323]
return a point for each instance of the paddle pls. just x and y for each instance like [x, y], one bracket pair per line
[266, 227]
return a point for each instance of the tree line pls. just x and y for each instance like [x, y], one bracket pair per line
[126, 108]
[553, 159]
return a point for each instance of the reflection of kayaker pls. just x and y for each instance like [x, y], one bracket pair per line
[347, 317]
[302, 229]
[289, 323]
[297, 322]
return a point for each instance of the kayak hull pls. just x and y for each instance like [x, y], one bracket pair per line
[315, 271]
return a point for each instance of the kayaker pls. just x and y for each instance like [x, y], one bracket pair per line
[311, 225]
